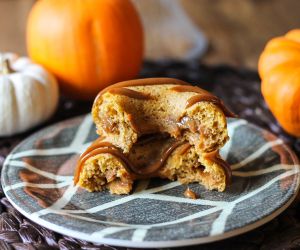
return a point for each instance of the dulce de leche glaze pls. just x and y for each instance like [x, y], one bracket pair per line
[143, 126]
[188, 193]
[120, 89]
[140, 82]
[157, 165]
[101, 147]
[90, 152]
[130, 93]
[203, 96]
[151, 170]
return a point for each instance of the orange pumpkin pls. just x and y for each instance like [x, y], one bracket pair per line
[86, 44]
[278, 67]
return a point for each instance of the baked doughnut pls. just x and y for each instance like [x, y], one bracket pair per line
[125, 111]
[104, 166]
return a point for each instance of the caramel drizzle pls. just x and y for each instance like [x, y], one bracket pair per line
[151, 137]
[184, 148]
[93, 150]
[95, 145]
[101, 150]
[99, 147]
[141, 128]
[188, 193]
[157, 165]
[140, 82]
[203, 96]
[215, 157]
[130, 93]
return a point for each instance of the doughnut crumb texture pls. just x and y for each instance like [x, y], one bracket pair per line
[123, 119]
[106, 171]
[156, 127]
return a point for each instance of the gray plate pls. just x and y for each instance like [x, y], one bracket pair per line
[37, 179]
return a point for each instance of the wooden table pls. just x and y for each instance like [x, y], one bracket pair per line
[237, 30]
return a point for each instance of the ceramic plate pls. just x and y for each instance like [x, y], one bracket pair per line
[37, 179]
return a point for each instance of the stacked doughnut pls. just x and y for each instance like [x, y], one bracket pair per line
[155, 127]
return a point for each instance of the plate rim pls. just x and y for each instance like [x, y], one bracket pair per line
[160, 244]
[151, 244]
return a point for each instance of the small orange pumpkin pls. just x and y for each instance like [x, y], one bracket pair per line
[86, 44]
[279, 69]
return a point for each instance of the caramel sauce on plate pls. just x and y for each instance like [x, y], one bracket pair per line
[188, 193]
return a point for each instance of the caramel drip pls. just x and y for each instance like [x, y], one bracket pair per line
[215, 157]
[96, 144]
[151, 137]
[141, 127]
[184, 148]
[191, 88]
[80, 162]
[108, 125]
[140, 82]
[201, 98]
[204, 96]
[188, 193]
[157, 165]
[130, 93]
[99, 147]
[191, 124]
[133, 123]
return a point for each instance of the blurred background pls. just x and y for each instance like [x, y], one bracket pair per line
[234, 32]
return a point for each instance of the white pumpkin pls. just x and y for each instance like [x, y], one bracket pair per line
[28, 94]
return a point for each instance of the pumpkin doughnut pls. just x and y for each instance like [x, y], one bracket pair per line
[125, 111]
[104, 166]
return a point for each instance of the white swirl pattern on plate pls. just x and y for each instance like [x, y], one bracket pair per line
[215, 210]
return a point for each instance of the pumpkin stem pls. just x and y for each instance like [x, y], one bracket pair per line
[5, 68]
